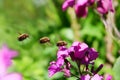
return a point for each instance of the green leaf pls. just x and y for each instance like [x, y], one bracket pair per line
[116, 69]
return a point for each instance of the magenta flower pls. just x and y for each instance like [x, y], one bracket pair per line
[81, 9]
[81, 6]
[88, 77]
[82, 55]
[77, 50]
[89, 56]
[12, 76]
[62, 52]
[66, 72]
[68, 3]
[56, 66]
[91, 2]
[97, 77]
[104, 6]
[6, 56]
[109, 77]
[60, 62]
[92, 54]
[53, 68]
[81, 51]
[85, 77]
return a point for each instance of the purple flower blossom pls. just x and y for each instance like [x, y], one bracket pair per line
[77, 50]
[60, 62]
[91, 2]
[66, 72]
[68, 3]
[88, 77]
[54, 68]
[97, 77]
[81, 8]
[62, 52]
[104, 6]
[81, 51]
[79, 5]
[12, 76]
[89, 56]
[109, 77]
[85, 77]
[93, 54]
[82, 55]
[6, 56]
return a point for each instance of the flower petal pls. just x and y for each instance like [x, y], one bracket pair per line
[53, 68]
[67, 3]
[12, 76]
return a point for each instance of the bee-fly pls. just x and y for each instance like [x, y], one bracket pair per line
[22, 37]
[61, 43]
[44, 40]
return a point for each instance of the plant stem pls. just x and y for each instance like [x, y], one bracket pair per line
[109, 40]
[78, 65]
[74, 24]
[74, 75]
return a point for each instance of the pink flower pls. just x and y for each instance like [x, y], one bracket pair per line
[68, 3]
[88, 77]
[56, 66]
[89, 56]
[85, 77]
[53, 68]
[81, 6]
[66, 72]
[81, 9]
[12, 76]
[104, 6]
[81, 51]
[97, 77]
[6, 56]
[77, 50]
[62, 52]
[109, 77]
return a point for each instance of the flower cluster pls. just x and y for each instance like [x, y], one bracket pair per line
[6, 56]
[81, 6]
[84, 58]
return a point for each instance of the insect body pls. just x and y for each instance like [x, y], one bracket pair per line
[22, 37]
[61, 43]
[44, 40]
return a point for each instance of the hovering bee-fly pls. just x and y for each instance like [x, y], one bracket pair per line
[44, 40]
[61, 43]
[22, 37]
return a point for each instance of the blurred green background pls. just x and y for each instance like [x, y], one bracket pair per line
[40, 18]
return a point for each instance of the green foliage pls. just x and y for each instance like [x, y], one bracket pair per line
[46, 18]
[116, 69]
